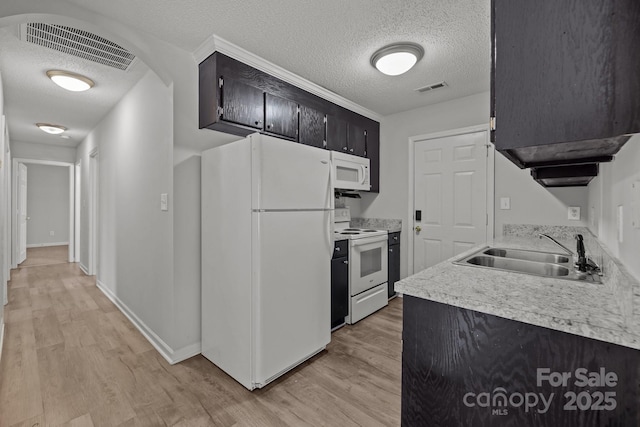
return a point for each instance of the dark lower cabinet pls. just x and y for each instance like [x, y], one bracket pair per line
[465, 368]
[339, 283]
[394, 261]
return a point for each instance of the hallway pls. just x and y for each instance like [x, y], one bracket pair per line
[72, 358]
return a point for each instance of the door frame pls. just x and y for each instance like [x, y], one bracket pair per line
[93, 192]
[14, 213]
[411, 183]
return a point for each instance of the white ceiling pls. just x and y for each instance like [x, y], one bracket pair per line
[328, 42]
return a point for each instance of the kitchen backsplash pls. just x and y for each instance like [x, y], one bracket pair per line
[392, 225]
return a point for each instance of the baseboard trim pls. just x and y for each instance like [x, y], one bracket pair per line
[1, 339]
[45, 245]
[84, 269]
[170, 355]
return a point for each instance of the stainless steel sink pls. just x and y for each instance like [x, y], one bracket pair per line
[521, 266]
[527, 255]
[545, 264]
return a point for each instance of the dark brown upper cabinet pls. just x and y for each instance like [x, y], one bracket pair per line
[238, 99]
[346, 137]
[280, 116]
[312, 127]
[241, 103]
[565, 79]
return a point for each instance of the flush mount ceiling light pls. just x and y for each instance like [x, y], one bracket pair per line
[52, 129]
[397, 58]
[70, 81]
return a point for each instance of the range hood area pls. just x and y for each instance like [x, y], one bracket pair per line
[565, 91]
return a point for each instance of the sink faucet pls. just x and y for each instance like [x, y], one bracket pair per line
[582, 258]
[567, 250]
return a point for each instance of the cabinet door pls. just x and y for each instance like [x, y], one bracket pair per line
[312, 127]
[241, 103]
[394, 267]
[357, 140]
[337, 134]
[339, 290]
[281, 116]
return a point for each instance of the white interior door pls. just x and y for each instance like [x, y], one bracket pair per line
[450, 196]
[22, 212]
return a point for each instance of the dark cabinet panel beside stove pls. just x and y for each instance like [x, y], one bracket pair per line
[394, 261]
[339, 283]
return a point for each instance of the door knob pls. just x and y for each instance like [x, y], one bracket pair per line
[418, 229]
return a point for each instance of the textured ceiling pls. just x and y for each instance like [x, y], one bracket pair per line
[327, 42]
[330, 42]
[30, 97]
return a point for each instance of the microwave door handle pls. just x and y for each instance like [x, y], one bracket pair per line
[364, 174]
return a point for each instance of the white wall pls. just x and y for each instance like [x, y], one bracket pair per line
[135, 143]
[5, 161]
[395, 131]
[47, 205]
[612, 188]
[35, 151]
[532, 203]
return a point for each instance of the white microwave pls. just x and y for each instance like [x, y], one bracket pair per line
[350, 172]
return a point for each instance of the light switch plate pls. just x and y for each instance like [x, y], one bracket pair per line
[164, 205]
[505, 203]
[573, 213]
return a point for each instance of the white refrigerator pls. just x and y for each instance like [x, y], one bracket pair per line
[267, 241]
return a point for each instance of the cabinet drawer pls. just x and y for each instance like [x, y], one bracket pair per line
[340, 248]
[394, 238]
[368, 302]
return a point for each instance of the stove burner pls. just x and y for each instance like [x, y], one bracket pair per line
[351, 229]
[350, 232]
[369, 231]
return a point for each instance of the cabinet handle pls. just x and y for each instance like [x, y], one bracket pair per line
[344, 148]
[269, 126]
[351, 150]
[258, 122]
[338, 249]
[390, 250]
[395, 237]
[346, 261]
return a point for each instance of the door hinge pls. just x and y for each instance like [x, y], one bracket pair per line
[220, 82]
[220, 111]
[487, 216]
[492, 123]
[298, 109]
[324, 120]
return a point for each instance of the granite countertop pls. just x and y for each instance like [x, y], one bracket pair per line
[607, 311]
[391, 225]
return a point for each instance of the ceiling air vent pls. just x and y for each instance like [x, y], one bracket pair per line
[431, 87]
[80, 43]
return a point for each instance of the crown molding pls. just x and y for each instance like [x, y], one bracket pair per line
[217, 44]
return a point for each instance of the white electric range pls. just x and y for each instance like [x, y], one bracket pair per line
[368, 266]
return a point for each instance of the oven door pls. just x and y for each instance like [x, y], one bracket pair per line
[368, 264]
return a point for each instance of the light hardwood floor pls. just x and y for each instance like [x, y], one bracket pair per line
[71, 358]
[46, 255]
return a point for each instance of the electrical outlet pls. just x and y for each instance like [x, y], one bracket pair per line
[574, 213]
[505, 203]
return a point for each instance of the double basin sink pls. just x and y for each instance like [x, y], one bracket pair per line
[536, 263]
